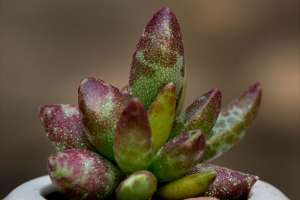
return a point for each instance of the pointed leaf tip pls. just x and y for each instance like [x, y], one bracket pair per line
[201, 114]
[183, 152]
[233, 121]
[64, 127]
[133, 145]
[158, 58]
[228, 184]
[161, 115]
[101, 105]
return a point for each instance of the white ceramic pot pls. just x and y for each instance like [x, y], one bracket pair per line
[37, 188]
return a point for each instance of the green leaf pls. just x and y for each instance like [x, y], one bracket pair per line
[101, 105]
[178, 156]
[161, 115]
[201, 114]
[133, 144]
[140, 185]
[232, 122]
[158, 59]
[188, 186]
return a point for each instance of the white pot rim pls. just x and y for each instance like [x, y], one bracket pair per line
[36, 188]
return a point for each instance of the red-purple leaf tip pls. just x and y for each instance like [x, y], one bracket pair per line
[228, 184]
[101, 105]
[158, 58]
[82, 174]
[133, 145]
[178, 156]
[63, 125]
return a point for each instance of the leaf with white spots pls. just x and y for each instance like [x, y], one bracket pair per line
[228, 184]
[101, 105]
[178, 156]
[232, 122]
[158, 59]
[82, 174]
[63, 125]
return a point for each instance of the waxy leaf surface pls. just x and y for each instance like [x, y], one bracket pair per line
[188, 186]
[201, 114]
[133, 144]
[101, 105]
[140, 185]
[232, 122]
[63, 126]
[178, 156]
[158, 59]
[228, 184]
[82, 174]
[161, 115]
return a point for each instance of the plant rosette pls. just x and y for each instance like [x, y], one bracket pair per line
[137, 143]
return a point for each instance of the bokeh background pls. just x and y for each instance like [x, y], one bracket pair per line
[47, 47]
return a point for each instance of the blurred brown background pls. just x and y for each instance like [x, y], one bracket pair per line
[47, 47]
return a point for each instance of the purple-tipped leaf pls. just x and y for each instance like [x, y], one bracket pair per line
[161, 115]
[63, 125]
[133, 144]
[158, 59]
[82, 174]
[178, 156]
[232, 122]
[101, 105]
[201, 114]
[228, 184]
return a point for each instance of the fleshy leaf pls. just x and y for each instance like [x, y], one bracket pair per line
[82, 174]
[188, 186]
[158, 59]
[202, 198]
[232, 122]
[178, 156]
[161, 115]
[101, 105]
[201, 114]
[140, 185]
[133, 144]
[229, 184]
[63, 125]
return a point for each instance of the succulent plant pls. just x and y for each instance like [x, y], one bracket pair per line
[136, 143]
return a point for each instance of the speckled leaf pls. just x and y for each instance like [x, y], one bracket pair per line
[101, 105]
[158, 59]
[188, 186]
[140, 185]
[63, 125]
[202, 198]
[133, 144]
[229, 184]
[161, 115]
[201, 114]
[178, 156]
[232, 122]
[82, 174]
